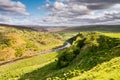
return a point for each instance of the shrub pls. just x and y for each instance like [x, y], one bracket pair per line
[19, 52]
[67, 56]
[5, 41]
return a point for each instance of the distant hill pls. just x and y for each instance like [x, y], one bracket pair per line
[113, 28]
[109, 28]
[35, 28]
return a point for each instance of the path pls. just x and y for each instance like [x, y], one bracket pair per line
[44, 52]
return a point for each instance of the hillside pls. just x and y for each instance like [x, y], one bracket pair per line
[103, 28]
[92, 56]
[18, 42]
[109, 28]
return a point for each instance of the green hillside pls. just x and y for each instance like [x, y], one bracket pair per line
[92, 56]
[89, 53]
[17, 42]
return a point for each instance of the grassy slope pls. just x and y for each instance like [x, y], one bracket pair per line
[24, 42]
[15, 70]
[114, 35]
[106, 71]
[89, 66]
[91, 55]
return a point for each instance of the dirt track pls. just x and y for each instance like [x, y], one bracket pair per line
[44, 52]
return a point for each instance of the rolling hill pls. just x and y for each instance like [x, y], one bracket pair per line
[92, 56]
[103, 28]
[21, 41]
[109, 28]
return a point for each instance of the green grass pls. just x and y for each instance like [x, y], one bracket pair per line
[97, 59]
[95, 50]
[114, 35]
[15, 70]
[106, 71]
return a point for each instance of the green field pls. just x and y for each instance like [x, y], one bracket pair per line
[65, 35]
[92, 56]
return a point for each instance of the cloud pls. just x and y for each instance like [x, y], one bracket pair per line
[82, 11]
[98, 1]
[12, 7]
[66, 10]
[97, 4]
[112, 15]
[105, 17]
[4, 19]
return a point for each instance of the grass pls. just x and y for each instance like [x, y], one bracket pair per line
[24, 42]
[114, 35]
[96, 50]
[106, 71]
[98, 59]
[15, 70]
[65, 35]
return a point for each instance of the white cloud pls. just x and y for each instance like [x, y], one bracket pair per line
[116, 6]
[5, 19]
[59, 5]
[65, 12]
[82, 11]
[8, 6]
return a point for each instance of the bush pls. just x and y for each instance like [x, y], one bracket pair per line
[19, 52]
[67, 56]
[5, 41]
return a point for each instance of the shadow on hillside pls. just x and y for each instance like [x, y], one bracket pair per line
[40, 73]
[98, 58]
[51, 70]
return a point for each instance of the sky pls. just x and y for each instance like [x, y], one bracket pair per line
[59, 12]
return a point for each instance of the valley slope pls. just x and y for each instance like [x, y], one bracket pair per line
[92, 56]
[22, 41]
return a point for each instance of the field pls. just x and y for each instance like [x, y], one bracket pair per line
[66, 35]
[97, 59]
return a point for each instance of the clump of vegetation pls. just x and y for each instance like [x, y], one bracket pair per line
[69, 54]
[24, 42]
